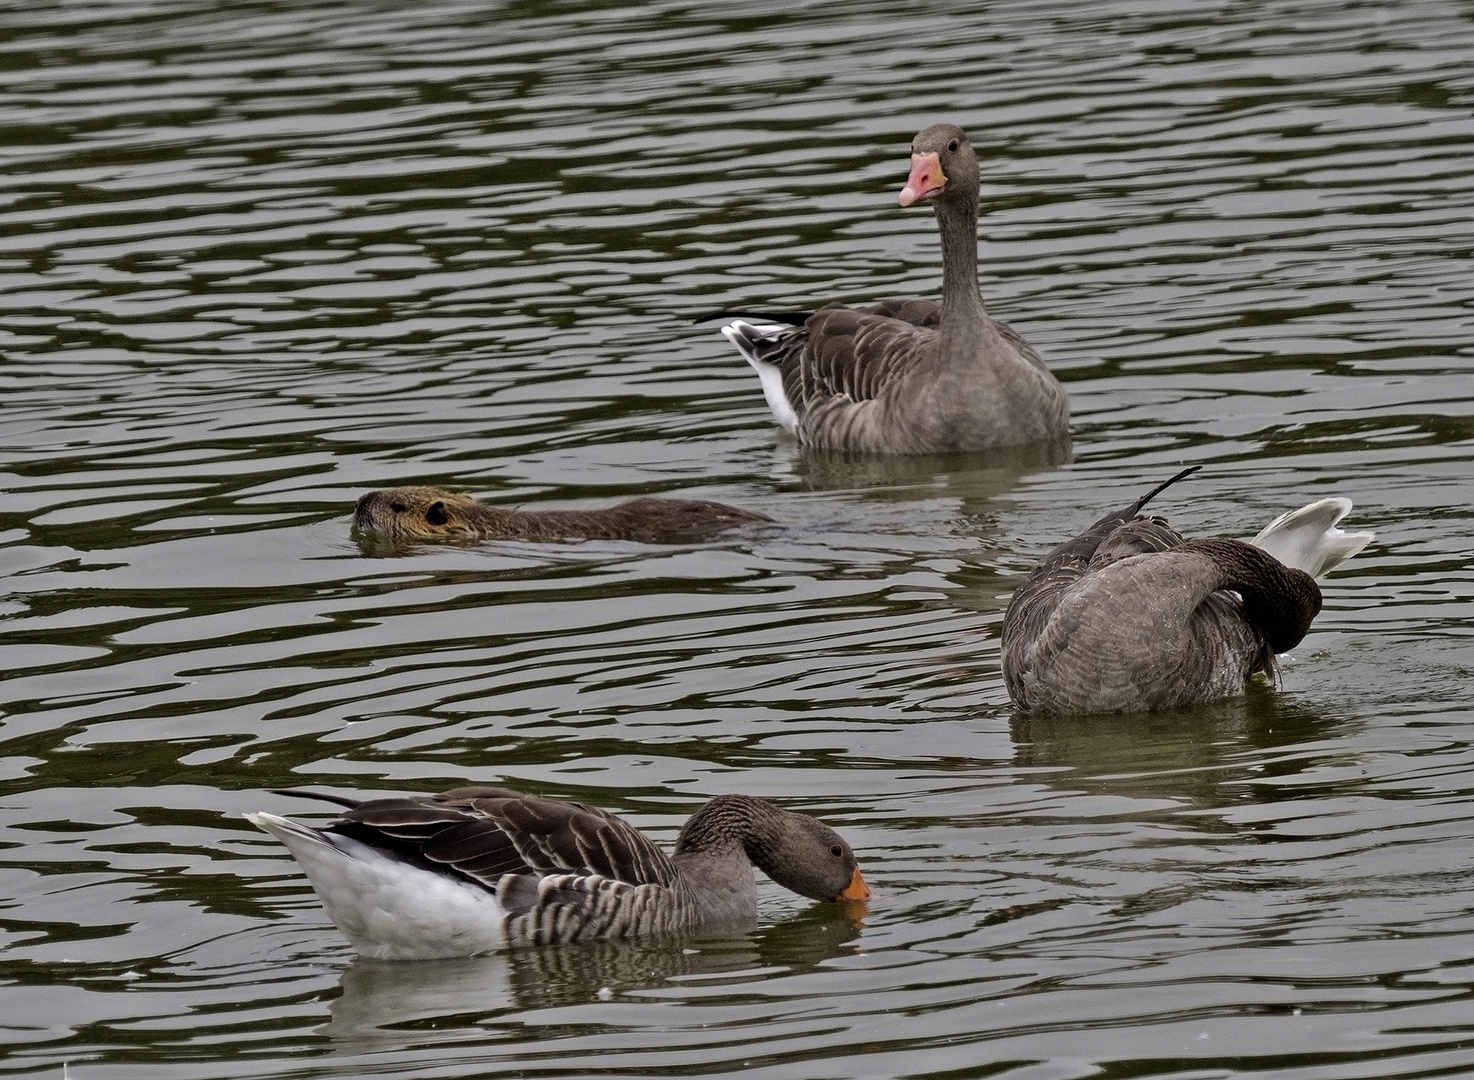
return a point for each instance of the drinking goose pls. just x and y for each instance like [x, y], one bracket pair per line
[1129, 615]
[477, 869]
[910, 376]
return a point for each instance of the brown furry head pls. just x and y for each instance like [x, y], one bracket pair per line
[417, 513]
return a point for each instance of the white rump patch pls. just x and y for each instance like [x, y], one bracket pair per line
[745, 336]
[1307, 539]
[386, 908]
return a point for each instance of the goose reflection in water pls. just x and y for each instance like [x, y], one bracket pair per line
[1202, 756]
[380, 999]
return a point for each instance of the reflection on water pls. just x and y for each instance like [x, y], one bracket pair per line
[381, 999]
[259, 259]
[976, 479]
[1198, 756]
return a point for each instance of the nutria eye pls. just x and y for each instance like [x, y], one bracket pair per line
[398, 508]
[952, 146]
[436, 514]
[836, 851]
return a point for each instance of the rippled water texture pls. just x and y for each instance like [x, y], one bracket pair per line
[259, 258]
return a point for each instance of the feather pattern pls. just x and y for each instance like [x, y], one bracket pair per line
[1130, 615]
[478, 868]
[911, 376]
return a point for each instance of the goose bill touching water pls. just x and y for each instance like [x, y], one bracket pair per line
[477, 869]
[910, 376]
[1130, 616]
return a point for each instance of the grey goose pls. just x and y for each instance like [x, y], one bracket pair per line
[477, 869]
[910, 376]
[1129, 615]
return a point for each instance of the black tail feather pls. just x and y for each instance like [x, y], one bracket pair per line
[787, 318]
[298, 793]
[1154, 492]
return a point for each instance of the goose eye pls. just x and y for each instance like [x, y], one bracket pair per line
[836, 851]
[952, 146]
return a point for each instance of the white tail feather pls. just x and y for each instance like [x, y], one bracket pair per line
[298, 838]
[745, 336]
[1307, 539]
[390, 909]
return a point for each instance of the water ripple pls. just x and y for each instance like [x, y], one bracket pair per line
[258, 261]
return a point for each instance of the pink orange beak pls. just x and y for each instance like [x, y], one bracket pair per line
[856, 889]
[926, 179]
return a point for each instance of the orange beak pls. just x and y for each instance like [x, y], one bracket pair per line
[926, 179]
[856, 889]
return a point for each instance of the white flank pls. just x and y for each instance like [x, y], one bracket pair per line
[1307, 539]
[386, 908]
[741, 334]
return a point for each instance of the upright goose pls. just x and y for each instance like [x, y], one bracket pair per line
[477, 869]
[911, 376]
[1128, 615]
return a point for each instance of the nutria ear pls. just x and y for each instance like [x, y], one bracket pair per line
[398, 508]
[436, 514]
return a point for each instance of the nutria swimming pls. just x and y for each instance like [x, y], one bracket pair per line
[427, 513]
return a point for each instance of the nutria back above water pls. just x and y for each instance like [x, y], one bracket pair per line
[429, 514]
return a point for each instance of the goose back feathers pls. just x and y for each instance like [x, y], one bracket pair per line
[1130, 615]
[911, 376]
[477, 869]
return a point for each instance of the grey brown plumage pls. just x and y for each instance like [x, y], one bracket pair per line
[1130, 615]
[912, 376]
[511, 869]
[421, 514]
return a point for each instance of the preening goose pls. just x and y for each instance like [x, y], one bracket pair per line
[477, 869]
[911, 376]
[1128, 615]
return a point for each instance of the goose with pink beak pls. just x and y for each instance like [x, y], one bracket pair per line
[926, 180]
[911, 376]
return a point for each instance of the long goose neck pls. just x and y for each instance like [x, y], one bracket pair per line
[713, 853]
[962, 304]
[727, 823]
[1279, 601]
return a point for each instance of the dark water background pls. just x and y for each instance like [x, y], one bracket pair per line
[259, 257]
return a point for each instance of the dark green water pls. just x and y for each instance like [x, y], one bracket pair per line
[258, 258]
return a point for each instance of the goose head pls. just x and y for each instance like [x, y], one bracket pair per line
[943, 167]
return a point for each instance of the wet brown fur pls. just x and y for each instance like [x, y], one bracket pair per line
[429, 514]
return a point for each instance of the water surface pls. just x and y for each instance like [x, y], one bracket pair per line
[257, 259]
